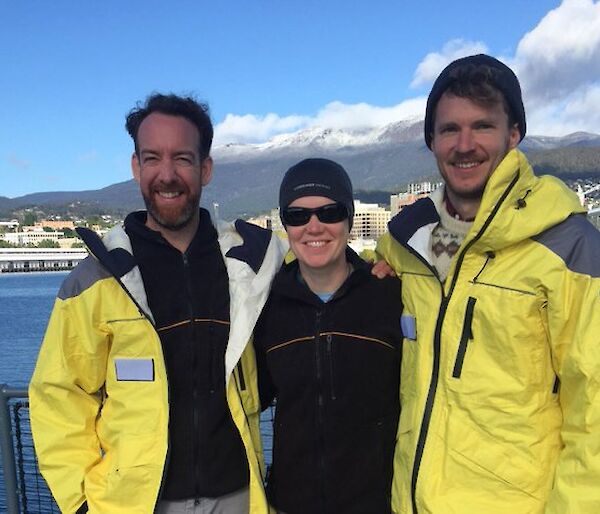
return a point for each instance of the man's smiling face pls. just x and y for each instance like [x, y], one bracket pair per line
[469, 142]
[170, 171]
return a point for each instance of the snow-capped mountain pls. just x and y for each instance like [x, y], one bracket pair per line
[325, 139]
[405, 131]
[246, 176]
[576, 139]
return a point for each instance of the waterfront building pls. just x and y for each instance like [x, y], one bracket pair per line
[11, 224]
[40, 259]
[30, 237]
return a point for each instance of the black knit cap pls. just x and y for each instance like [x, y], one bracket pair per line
[503, 78]
[317, 177]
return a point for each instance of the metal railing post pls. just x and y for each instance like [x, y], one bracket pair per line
[8, 455]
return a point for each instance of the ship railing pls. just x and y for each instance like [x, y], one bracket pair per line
[25, 490]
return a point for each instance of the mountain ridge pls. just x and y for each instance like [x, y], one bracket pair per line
[246, 176]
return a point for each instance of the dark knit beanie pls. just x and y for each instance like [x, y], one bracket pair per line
[503, 78]
[317, 177]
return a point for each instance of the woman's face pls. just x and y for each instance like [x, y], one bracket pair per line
[318, 245]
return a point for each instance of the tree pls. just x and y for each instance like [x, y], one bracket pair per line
[48, 243]
[29, 219]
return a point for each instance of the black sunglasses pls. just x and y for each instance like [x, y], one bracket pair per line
[330, 213]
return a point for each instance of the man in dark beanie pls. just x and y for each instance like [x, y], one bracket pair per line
[501, 291]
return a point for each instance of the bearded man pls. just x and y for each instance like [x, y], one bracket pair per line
[144, 397]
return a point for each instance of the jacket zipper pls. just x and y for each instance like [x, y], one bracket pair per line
[195, 393]
[320, 405]
[330, 360]
[426, 420]
[467, 334]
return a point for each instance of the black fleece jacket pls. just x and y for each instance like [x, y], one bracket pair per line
[334, 370]
[188, 295]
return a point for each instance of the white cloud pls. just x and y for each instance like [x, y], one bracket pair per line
[250, 128]
[362, 115]
[558, 65]
[557, 62]
[255, 129]
[561, 55]
[573, 114]
[433, 63]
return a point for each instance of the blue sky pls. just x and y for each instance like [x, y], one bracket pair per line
[71, 70]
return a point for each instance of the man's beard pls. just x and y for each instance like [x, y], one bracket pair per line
[174, 218]
[475, 193]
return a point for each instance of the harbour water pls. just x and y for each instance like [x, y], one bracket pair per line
[26, 300]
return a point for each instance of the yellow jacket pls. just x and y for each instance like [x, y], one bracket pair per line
[500, 383]
[104, 441]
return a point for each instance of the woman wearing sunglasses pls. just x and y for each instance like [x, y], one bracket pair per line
[328, 349]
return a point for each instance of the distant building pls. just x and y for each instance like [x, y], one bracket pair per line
[9, 224]
[413, 192]
[370, 221]
[39, 259]
[55, 224]
[30, 237]
[261, 221]
[99, 229]
[276, 224]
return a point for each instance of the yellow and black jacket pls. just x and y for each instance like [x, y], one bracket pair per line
[500, 388]
[99, 395]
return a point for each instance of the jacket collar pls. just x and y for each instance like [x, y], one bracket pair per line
[115, 254]
[516, 205]
[289, 283]
[252, 260]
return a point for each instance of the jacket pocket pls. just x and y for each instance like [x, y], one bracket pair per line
[466, 336]
[495, 466]
[137, 471]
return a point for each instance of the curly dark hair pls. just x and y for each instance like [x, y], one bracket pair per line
[185, 106]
